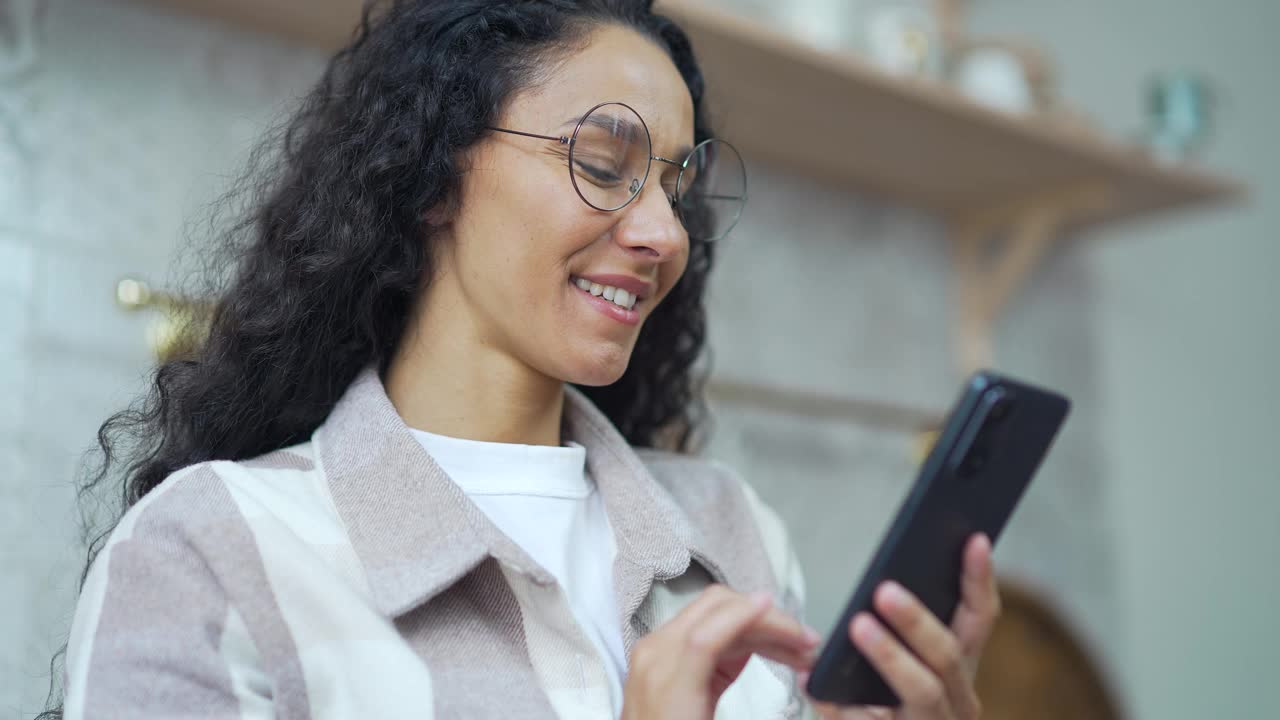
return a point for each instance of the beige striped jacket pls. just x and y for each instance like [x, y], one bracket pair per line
[349, 577]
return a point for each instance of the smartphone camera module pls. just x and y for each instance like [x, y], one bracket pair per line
[1000, 403]
[972, 453]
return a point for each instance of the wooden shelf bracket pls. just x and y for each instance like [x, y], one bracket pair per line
[996, 250]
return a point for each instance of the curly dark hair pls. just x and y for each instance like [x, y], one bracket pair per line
[316, 278]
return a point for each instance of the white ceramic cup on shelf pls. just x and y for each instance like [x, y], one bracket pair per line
[994, 77]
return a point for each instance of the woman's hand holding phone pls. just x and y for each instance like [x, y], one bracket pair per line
[681, 669]
[933, 673]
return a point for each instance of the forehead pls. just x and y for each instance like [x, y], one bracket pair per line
[616, 65]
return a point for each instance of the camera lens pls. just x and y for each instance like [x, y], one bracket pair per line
[1000, 405]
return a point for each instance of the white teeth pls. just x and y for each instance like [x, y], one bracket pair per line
[618, 296]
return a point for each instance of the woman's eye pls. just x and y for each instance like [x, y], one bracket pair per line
[597, 174]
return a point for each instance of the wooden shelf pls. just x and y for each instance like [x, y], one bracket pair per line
[914, 141]
[821, 406]
[833, 116]
[324, 24]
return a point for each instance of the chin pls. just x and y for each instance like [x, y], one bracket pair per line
[598, 377]
[605, 369]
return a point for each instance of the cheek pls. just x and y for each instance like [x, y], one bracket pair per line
[526, 226]
[556, 234]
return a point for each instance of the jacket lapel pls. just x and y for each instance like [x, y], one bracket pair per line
[417, 533]
[414, 530]
[653, 536]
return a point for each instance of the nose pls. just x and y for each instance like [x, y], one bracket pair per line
[649, 226]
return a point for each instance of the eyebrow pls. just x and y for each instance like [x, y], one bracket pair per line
[631, 132]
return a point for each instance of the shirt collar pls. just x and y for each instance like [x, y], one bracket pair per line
[482, 467]
[416, 532]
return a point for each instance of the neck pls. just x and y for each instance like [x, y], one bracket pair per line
[444, 380]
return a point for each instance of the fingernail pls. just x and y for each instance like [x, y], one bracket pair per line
[867, 629]
[812, 635]
[894, 594]
[762, 598]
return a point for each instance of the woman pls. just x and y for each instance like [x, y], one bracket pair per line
[433, 458]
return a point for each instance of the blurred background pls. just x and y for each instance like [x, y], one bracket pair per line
[1081, 194]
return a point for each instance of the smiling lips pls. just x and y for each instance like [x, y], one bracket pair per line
[615, 301]
[616, 295]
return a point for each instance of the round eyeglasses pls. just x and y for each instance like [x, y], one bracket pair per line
[609, 157]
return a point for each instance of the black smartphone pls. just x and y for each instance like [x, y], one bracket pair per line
[992, 442]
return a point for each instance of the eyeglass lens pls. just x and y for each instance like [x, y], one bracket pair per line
[609, 161]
